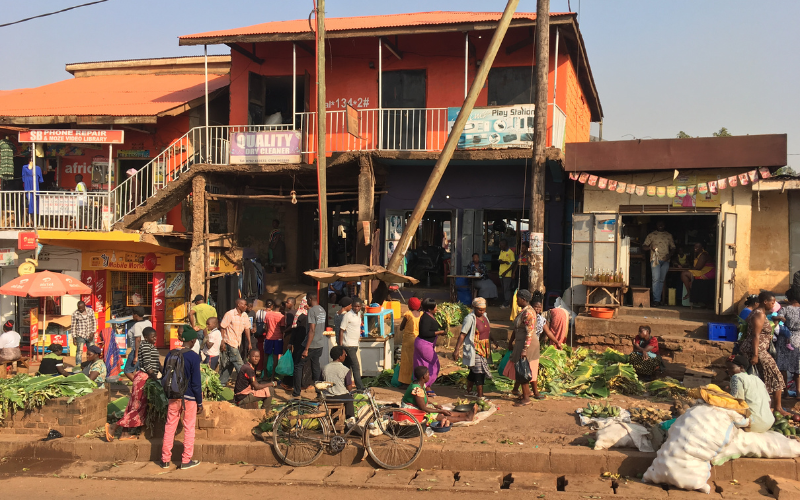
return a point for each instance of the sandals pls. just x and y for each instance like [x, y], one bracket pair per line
[109, 435]
[520, 403]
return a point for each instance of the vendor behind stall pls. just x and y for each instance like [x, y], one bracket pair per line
[416, 400]
[53, 362]
[752, 390]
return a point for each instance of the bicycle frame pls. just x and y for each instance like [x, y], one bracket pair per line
[322, 400]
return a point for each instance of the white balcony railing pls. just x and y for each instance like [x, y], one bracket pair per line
[407, 129]
[62, 210]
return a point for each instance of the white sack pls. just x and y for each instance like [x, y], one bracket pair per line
[620, 435]
[768, 444]
[694, 439]
[601, 423]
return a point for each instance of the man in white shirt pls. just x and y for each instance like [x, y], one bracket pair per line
[9, 343]
[135, 340]
[212, 344]
[350, 336]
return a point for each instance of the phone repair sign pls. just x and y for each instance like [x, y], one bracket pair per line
[265, 147]
[496, 127]
[73, 136]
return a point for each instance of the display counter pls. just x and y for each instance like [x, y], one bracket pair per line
[376, 355]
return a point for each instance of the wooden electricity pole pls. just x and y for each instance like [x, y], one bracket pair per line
[539, 139]
[452, 139]
[321, 157]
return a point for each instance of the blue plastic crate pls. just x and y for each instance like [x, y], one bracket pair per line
[726, 332]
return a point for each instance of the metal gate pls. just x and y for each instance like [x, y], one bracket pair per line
[595, 245]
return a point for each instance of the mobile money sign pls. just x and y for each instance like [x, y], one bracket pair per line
[496, 127]
[269, 146]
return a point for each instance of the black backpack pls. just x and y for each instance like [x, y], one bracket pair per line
[174, 380]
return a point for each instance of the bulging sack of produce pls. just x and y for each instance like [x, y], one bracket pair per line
[285, 365]
[621, 435]
[768, 444]
[684, 460]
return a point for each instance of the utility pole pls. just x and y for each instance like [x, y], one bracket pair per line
[539, 138]
[321, 158]
[452, 139]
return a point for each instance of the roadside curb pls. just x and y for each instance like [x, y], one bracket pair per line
[556, 460]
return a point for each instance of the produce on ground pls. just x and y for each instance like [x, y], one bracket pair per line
[483, 405]
[601, 411]
[666, 387]
[784, 425]
[23, 392]
[382, 380]
[586, 373]
[451, 314]
[209, 381]
[649, 416]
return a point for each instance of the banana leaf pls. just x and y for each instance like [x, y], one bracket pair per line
[599, 389]
[611, 356]
[585, 372]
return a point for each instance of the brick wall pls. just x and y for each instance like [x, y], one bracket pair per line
[76, 418]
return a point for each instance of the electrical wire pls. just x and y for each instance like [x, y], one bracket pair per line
[52, 13]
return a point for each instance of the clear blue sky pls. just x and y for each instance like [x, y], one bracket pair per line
[660, 67]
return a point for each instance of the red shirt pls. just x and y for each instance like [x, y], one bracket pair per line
[653, 343]
[273, 325]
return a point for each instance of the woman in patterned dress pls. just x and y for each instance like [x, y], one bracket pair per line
[524, 344]
[756, 347]
[789, 359]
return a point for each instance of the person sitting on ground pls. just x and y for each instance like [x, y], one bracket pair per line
[148, 368]
[248, 388]
[211, 347]
[53, 362]
[416, 400]
[475, 337]
[752, 390]
[702, 269]
[644, 358]
[341, 377]
[9, 343]
[95, 368]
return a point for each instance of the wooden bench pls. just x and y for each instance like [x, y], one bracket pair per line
[22, 366]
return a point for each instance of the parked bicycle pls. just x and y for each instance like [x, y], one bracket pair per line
[305, 428]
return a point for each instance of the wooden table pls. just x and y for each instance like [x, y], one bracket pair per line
[612, 290]
[454, 289]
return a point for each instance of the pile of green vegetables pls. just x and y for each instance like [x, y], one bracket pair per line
[209, 381]
[666, 388]
[23, 392]
[784, 425]
[157, 404]
[451, 314]
[601, 411]
[382, 380]
[584, 372]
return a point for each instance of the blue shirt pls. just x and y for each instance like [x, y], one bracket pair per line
[191, 366]
[745, 313]
[27, 177]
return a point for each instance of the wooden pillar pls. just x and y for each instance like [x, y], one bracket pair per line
[539, 131]
[197, 257]
[366, 215]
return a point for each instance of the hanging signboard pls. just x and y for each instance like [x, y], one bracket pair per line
[353, 121]
[269, 146]
[496, 127]
[73, 136]
[7, 256]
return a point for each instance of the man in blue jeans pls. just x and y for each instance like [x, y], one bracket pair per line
[661, 247]
[84, 326]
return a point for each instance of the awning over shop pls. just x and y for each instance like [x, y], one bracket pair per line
[98, 241]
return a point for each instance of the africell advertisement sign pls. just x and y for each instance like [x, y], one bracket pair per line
[273, 146]
[73, 136]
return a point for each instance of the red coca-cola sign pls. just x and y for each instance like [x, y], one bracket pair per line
[150, 261]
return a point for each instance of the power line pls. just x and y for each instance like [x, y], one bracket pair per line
[52, 13]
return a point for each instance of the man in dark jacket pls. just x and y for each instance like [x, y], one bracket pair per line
[191, 404]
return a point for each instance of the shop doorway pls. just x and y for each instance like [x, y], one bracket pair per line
[430, 253]
[270, 99]
[403, 100]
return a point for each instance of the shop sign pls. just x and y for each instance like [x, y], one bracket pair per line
[7, 256]
[73, 136]
[27, 240]
[496, 127]
[34, 328]
[127, 261]
[133, 153]
[176, 285]
[270, 146]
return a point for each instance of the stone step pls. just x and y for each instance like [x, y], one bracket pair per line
[674, 312]
[629, 325]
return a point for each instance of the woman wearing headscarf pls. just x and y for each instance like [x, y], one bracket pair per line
[302, 371]
[788, 350]
[524, 345]
[410, 328]
[756, 347]
[475, 337]
[425, 344]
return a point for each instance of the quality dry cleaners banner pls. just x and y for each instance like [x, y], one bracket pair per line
[496, 127]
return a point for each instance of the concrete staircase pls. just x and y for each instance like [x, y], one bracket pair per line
[682, 335]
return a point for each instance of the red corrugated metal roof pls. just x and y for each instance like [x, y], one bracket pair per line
[369, 22]
[117, 95]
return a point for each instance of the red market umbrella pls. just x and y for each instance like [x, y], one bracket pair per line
[44, 284]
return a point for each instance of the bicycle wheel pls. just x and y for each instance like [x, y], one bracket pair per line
[393, 438]
[299, 434]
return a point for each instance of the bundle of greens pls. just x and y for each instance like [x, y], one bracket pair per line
[209, 381]
[666, 387]
[451, 314]
[586, 373]
[24, 392]
[382, 380]
[157, 404]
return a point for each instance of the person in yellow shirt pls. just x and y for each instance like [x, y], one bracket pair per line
[506, 259]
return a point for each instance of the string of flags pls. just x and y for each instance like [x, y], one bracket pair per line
[712, 187]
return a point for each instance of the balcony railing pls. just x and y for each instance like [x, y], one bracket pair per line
[407, 129]
[62, 210]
